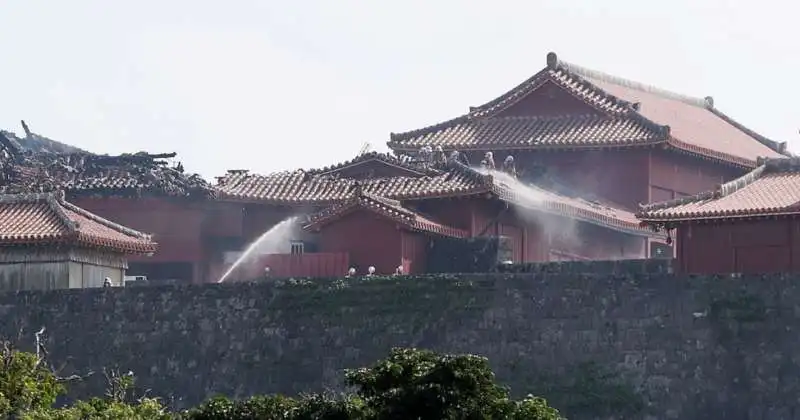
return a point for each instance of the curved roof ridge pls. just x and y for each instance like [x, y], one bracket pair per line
[783, 164]
[103, 221]
[55, 201]
[433, 127]
[778, 146]
[387, 158]
[557, 117]
[51, 199]
[554, 62]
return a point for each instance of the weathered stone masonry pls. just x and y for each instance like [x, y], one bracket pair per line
[692, 347]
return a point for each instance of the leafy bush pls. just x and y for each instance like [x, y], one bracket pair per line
[103, 409]
[409, 384]
[421, 384]
[26, 383]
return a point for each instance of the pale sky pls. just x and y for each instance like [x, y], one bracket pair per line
[271, 85]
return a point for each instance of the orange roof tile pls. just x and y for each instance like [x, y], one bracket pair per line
[304, 187]
[31, 219]
[632, 114]
[390, 209]
[453, 180]
[771, 189]
[539, 132]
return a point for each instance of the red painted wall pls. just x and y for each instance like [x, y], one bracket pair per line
[744, 246]
[370, 240]
[456, 212]
[288, 265]
[176, 225]
[224, 219]
[548, 100]
[673, 175]
[415, 247]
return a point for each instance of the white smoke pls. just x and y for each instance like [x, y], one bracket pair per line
[561, 232]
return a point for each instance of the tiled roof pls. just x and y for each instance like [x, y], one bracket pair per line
[34, 219]
[771, 189]
[390, 209]
[304, 187]
[454, 180]
[632, 114]
[540, 132]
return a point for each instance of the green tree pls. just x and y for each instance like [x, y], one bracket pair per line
[421, 384]
[118, 404]
[409, 384]
[102, 409]
[26, 382]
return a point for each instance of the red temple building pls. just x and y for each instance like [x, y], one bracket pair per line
[601, 137]
[748, 225]
[586, 150]
[577, 152]
[382, 211]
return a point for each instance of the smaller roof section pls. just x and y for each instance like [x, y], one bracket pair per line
[47, 218]
[772, 189]
[384, 207]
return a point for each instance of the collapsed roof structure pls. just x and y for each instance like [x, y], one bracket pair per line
[36, 164]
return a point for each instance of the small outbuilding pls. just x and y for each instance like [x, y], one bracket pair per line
[748, 225]
[49, 243]
[378, 232]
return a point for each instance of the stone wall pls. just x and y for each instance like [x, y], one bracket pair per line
[675, 347]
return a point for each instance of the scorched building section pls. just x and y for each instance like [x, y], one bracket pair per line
[143, 191]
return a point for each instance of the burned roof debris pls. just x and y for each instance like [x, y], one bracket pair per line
[37, 164]
[37, 143]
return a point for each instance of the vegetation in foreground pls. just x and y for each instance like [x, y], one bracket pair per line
[409, 384]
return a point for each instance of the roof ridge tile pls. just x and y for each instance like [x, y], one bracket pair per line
[555, 63]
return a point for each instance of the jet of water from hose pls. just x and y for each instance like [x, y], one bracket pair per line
[271, 241]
